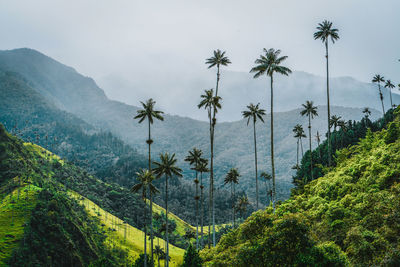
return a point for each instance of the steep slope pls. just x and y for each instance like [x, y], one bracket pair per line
[40, 210]
[81, 96]
[348, 217]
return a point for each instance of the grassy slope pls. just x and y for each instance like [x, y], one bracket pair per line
[14, 214]
[116, 230]
[356, 206]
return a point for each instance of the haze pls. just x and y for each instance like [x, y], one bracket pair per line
[140, 49]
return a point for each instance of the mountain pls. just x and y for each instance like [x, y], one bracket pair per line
[53, 213]
[349, 217]
[80, 96]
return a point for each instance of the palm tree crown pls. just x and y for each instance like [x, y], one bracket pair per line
[149, 112]
[167, 166]
[145, 179]
[253, 112]
[270, 63]
[325, 31]
[299, 131]
[378, 79]
[309, 109]
[367, 112]
[218, 59]
[389, 84]
[232, 176]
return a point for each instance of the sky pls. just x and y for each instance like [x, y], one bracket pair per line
[130, 47]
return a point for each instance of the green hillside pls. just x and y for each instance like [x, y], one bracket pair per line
[44, 221]
[350, 216]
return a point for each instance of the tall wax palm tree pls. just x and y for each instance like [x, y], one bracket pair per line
[242, 204]
[202, 168]
[324, 33]
[334, 123]
[211, 103]
[380, 79]
[232, 178]
[390, 86]
[269, 64]
[311, 111]
[252, 113]
[159, 253]
[217, 60]
[367, 112]
[343, 126]
[167, 167]
[194, 159]
[299, 134]
[148, 112]
[267, 178]
[145, 178]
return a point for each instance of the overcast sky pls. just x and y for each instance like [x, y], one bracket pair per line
[135, 39]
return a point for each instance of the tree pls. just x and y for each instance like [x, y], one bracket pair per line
[211, 103]
[311, 111]
[367, 112]
[191, 258]
[159, 253]
[232, 178]
[242, 205]
[254, 112]
[267, 178]
[167, 167]
[145, 178]
[194, 159]
[202, 168]
[324, 33]
[334, 123]
[148, 112]
[218, 59]
[298, 134]
[318, 138]
[389, 85]
[269, 64]
[343, 127]
[379, 79]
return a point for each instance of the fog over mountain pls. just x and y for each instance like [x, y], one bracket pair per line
[238, 89]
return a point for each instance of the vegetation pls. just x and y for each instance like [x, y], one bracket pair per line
[347, 217]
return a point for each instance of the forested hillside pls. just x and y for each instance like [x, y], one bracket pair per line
[350, 216]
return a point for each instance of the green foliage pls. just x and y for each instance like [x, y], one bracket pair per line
[140, 261]
[350, 216]
[191, 258]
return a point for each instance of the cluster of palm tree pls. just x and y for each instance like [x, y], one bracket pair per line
[387, 84]
[165, 167]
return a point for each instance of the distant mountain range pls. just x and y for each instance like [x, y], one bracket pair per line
[68, 90]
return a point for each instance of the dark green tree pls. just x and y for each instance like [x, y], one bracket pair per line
[191, 258]
[232, 178]
[379, 79]
[389, 85]
[310, 111]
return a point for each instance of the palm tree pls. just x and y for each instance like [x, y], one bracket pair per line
[202, 168]
[380, 79]
[326, 32]
[367, 112]
[211, 103]
[318, 138]
[194, 159]
[298, 134]
[167, 167]
[269, 64]
[218, 59]
[390, 86]
[309, 110]
[232, 178]
[159, 253]
[267, 178]
[148, 112]
[254, 112]
[242, 205]
[334, 123]
[343, 126]
[145, 178]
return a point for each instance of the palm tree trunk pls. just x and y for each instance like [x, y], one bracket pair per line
[151, 201]
[255, 159]
[297, 155]
[391, 103]
[202, 208]
[328, 104]
[232, 204]
[319, 151]
[272, 146]
[309, 135]
[216, 87]
[197, 213]
[234, 212]
[302, 151]
[381, 97]
[166, 221]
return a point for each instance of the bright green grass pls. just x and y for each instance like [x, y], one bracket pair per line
[117, 231]
[14, 214]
